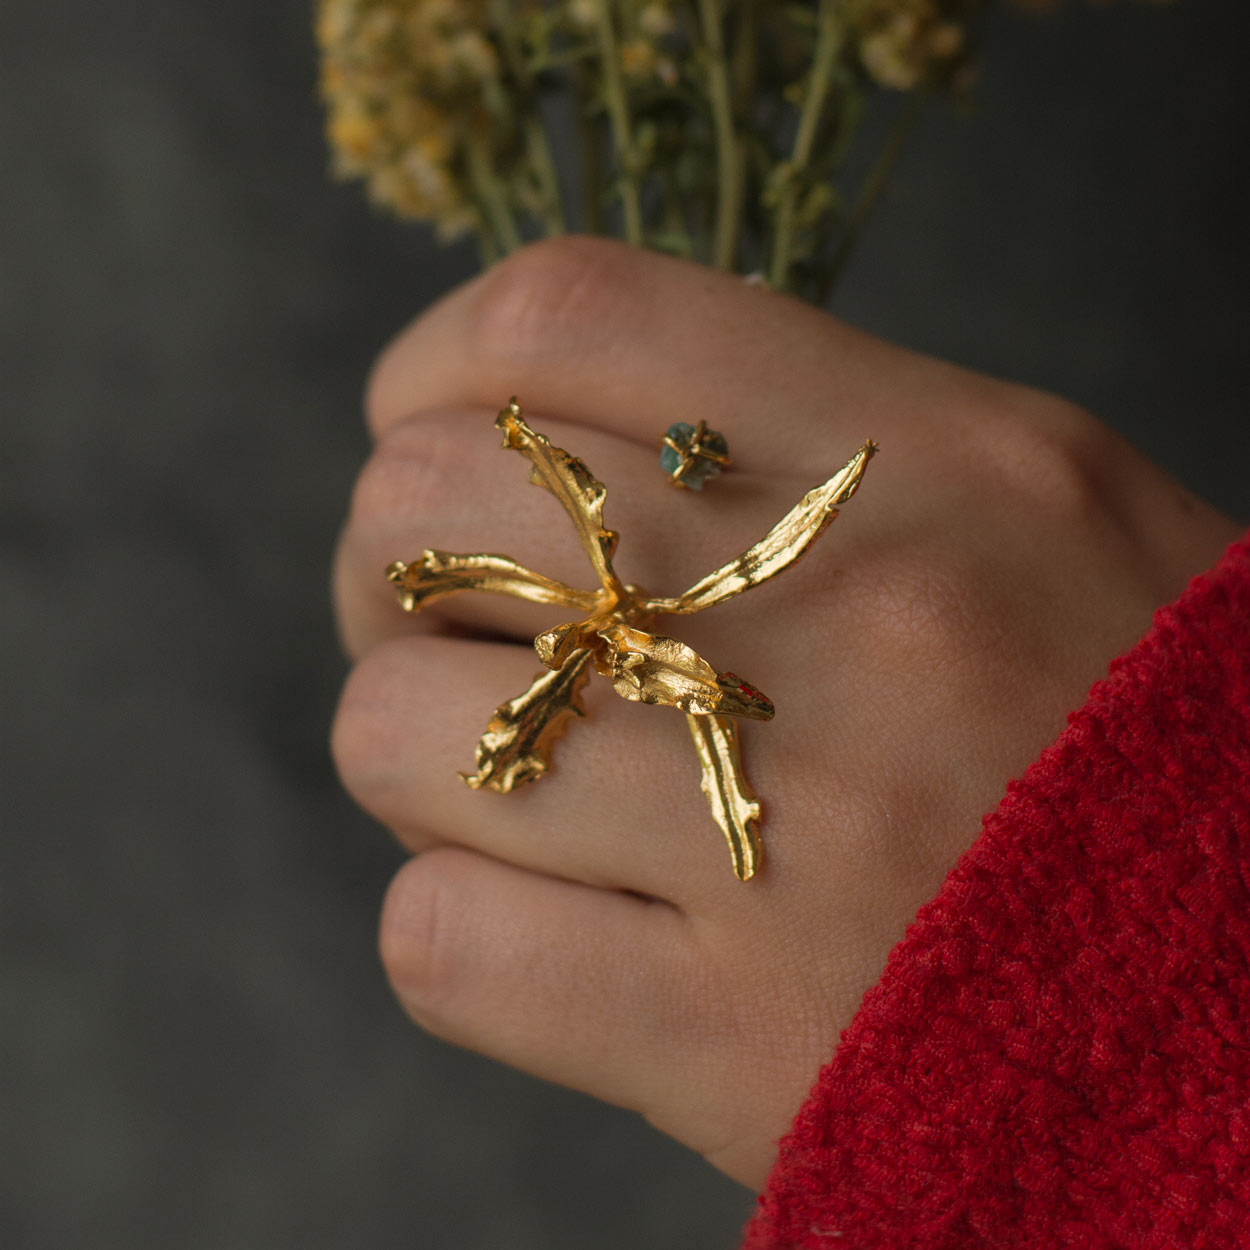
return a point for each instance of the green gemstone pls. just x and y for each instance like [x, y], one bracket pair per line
[702, 471]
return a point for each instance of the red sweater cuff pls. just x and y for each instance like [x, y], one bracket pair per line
[1058, 1052]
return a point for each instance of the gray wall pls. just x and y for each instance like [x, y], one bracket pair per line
[196, 1043]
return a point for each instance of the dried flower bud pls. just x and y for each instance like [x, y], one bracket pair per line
[720, 132]
[639, 59]
[656, 20]
[401, 80]
[582, 14]
[901, 41]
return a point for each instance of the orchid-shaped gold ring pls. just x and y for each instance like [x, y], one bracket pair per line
[613, 638]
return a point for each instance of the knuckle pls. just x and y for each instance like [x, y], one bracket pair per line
[364, 730]
[551, 293]
[417, 934]
[369, 726]
[388, 386]
[1052, 458]
[409, 473]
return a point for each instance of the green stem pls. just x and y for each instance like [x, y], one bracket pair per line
[538, 144]
[618, 112]
[874, 185]
[743, 76]
[828, 46]
[746, 47]
[544, 164]
[677, 233]
[490, 196]
[728, 157]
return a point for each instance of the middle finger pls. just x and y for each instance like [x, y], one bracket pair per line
[622, 809]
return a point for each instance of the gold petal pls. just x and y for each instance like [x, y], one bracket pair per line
[580, 493]
[440, 573]
[734, 805]
[517, 744]
[554, 646]
[650, 668]
[779, 548]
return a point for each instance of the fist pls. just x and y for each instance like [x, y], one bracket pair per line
[1003, 549]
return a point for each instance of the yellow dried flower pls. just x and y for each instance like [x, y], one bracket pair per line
[356, 137]
[639, 59]
[403, 82]
[656, 20]
[902, 40]
[582, 14]
[689, 139]
[644, 57]
[473, 56]
[334, 19]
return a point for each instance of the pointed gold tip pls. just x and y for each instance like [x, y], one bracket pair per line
[853, 471]
[733, 803]
[396, 571]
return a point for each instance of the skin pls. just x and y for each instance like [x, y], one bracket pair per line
[1004, 548]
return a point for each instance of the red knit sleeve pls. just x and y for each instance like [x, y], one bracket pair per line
[1058, 1052]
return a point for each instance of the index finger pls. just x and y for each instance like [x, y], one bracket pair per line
[630, 341]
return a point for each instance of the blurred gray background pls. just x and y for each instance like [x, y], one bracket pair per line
[198, 1049]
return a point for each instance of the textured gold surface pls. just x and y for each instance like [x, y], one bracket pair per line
[516, 746]
[649, 668]
[580, 493]
[785, 543]
[734, 805]
[439, 573]
[613, 637]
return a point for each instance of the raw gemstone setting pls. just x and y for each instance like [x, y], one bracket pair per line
[693, 455]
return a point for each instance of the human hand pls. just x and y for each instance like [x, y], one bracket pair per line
[1003, 549]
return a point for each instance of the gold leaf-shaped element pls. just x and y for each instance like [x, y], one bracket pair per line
[440, 573]
[554, 646]
[580, 493]
[516, 746]
[780, 547]
[650, 668]
[732, 801]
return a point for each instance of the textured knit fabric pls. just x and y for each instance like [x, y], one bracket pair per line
[1058, 1053]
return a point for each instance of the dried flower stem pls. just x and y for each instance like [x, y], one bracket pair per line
[828, 46]
[744, 70]
[618, 112]
[678, 239]
[728, 155]
[500, 227]
[723, 129]
[548, 178]
[538, 145]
